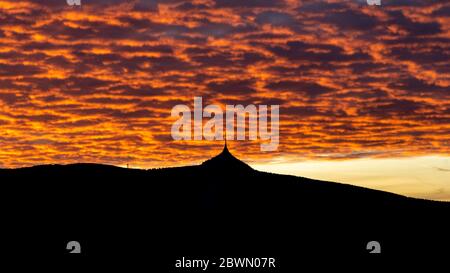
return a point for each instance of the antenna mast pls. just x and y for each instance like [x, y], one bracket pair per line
[225, 137]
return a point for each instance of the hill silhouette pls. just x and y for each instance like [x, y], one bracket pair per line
[222, 207]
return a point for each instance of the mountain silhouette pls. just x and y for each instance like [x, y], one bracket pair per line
[220, 207]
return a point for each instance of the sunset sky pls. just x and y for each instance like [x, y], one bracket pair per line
[363, 90]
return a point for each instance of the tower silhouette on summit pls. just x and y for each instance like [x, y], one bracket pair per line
[225, 147]
[226, 161]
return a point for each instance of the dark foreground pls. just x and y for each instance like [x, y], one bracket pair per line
[221, 209]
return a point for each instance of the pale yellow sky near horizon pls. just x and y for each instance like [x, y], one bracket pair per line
[425, 177]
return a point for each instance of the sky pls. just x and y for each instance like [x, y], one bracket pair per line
[363, 90]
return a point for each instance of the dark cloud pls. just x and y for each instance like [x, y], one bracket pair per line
[302, 111]
[233, 87]
[188, 6]
[9, 84]
[410, 3]
[393, 107]
[51, 98]
[250, 58]
[49, 3]
[146, 5]
[60, 61]
[414, 28]
[14, 20]
[19, 70]
[209, 28]
[297, 50]
[265, 36]
[33, 46]
[351, 20]
[443, 11]
[39, 118]
[431, 55]
[150, 64]
[415, 85]
[80, 123]
[219, 59]
[11, 98]
[275, 18]
[309, 88]
[248, 3]
[112, 101]
[366, 94]
[138, 92]
[320, 7]
[131, 114]
[44, 84]
[165, 49]
[362, 67]
[166, 63]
